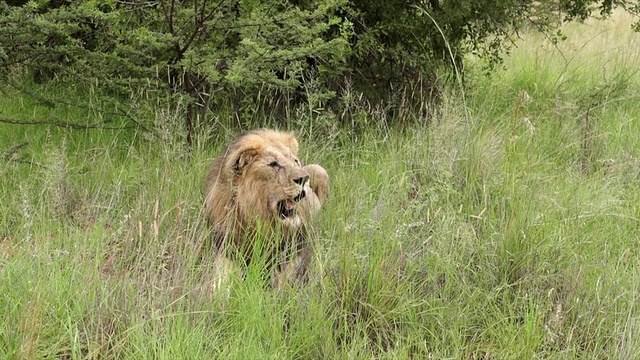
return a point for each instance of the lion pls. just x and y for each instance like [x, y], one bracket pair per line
[258, 187]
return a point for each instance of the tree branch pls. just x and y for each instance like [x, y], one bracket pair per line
[51, 104]
[63, 124]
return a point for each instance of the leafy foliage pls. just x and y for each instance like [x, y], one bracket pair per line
[205, 50]
[258, 58]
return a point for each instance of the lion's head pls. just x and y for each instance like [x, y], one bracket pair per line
[259, 179]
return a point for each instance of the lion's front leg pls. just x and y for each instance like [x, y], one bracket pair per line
[223, 270]
[293, 271]
[318, 182]
[317, 191]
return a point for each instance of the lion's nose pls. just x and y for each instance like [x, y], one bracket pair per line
[301, 180]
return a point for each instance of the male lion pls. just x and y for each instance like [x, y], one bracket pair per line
[259, 189]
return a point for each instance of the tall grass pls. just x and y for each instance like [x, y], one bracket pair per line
[505, 228]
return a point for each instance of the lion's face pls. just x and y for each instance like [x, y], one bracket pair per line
[261, 178]
[270, 182]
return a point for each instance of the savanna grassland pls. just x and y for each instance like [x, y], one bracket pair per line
[506, 225]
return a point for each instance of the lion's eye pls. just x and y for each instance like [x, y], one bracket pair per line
[274, 164]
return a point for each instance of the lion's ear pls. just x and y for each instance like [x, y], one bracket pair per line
[293, 145]
[243, 159]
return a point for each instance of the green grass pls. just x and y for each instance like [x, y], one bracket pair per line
[507, 228]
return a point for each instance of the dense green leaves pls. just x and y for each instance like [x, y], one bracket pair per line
[251, 55]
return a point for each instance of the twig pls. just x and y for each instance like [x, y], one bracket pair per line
[9, 153]
[63, 124]
[51, 103]
[24, 160]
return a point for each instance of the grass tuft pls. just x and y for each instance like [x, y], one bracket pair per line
[504, 226]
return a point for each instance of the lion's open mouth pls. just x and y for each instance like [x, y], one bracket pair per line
[287, 207]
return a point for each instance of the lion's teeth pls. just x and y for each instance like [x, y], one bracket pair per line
[300, 196]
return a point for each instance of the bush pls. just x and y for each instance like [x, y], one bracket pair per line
[261, 58]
